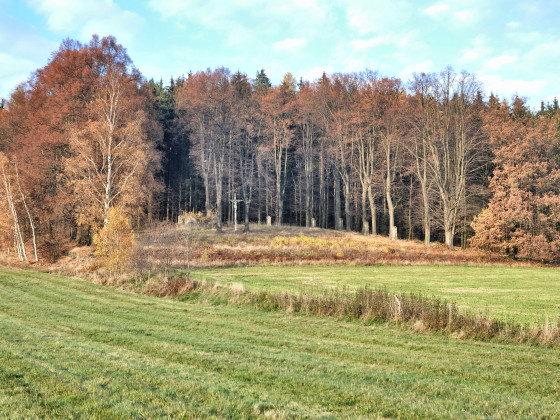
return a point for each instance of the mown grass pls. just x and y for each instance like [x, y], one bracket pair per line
[69, 348]
[526, 295]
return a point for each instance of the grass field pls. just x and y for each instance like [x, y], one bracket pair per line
[526, 295]
[69, 348]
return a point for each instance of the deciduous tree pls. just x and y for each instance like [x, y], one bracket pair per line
[111, 156]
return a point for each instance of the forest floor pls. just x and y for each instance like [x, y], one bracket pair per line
[74, 349]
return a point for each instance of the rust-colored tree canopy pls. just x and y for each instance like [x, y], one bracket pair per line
[77, 131]
[431, 158]
[523, 214]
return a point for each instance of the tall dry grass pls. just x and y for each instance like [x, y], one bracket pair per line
[367, 305]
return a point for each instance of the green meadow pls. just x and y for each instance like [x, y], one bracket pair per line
[73, 349]
[527, 295]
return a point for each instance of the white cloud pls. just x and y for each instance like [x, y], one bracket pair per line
[246, 22]
[408, 40]
[88, 17]
[22, 51]
[365, 44]
[544, 56]
[312, 6]
[477, 50]
[498, 62]
[201, 11]
[401, 40]
[14, 65]
[14, 70]
[506, 88]
[290, 44]
[311, 9]
[217, 14]
[437, 9]
[425, 66]
[239, 35]
[313, 73]
[455, 14]
[465, 17]
[524, 39]
[375, 16]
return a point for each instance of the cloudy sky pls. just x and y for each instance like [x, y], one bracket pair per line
[512, 46]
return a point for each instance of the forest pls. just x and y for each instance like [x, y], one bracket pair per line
[433, 158]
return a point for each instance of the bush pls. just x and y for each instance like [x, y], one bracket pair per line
[114, 242]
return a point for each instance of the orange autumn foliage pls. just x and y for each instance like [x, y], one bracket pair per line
[114, 242]
[523, 214]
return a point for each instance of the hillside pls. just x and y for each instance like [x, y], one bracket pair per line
[296, 245]
[269, 245]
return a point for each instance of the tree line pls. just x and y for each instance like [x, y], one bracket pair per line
[429, 158]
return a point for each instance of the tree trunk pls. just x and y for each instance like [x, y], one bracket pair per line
[347, 205]
[218, 178]
[448, 237]
[279, 204]
[373, 210]
[448, 225]
[18, 236]
[426, 219]
[247, 206]
[219, 204]
[337, 217]
[308, 184]
[107, 198]
[259, 192]
[410, 209]
[207, 195]
[464, 215]
[322, 209]
[365, 224]
[267, 199]
[31, 223]
[390, 207]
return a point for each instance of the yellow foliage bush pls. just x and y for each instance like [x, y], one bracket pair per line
[114, 242]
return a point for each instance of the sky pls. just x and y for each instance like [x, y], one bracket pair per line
[512, 46]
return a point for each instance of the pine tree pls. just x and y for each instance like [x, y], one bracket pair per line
[262, 82]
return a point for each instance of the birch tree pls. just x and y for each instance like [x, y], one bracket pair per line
[111, 156]
[7, 181]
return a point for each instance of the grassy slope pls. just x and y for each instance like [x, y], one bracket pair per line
[69, 347]
[524, 294]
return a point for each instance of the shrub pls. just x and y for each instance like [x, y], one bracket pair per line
[114, 242]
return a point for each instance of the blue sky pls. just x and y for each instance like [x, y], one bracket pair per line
[512, 46]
